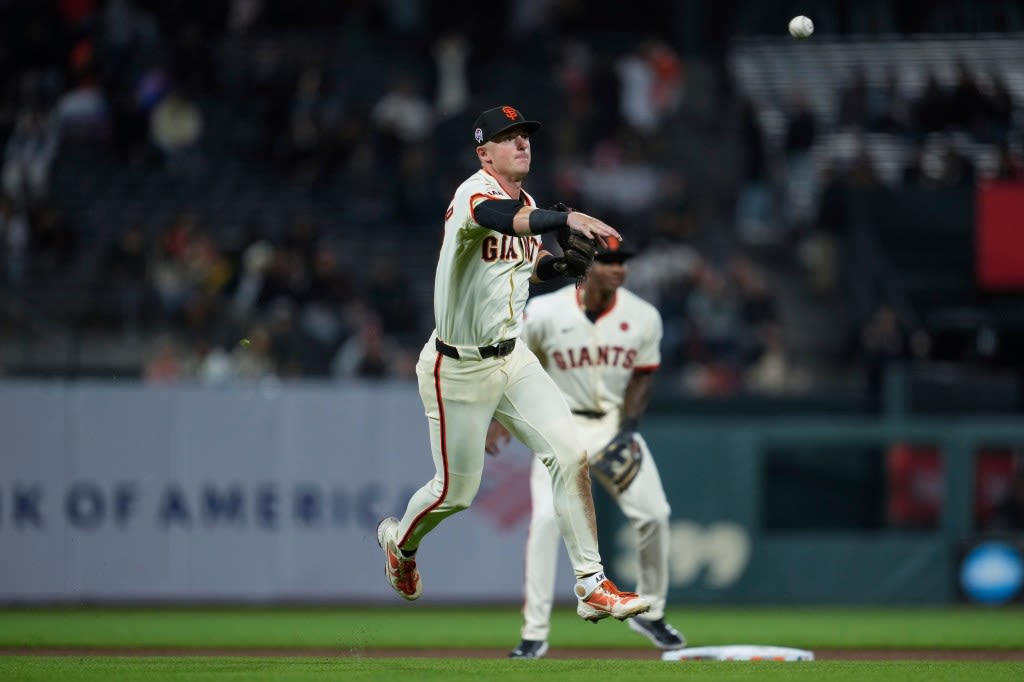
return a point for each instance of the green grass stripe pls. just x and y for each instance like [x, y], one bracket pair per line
[419, 626]
[196, 669]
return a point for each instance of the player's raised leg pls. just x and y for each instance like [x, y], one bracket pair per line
[535, 412]
[458, 401]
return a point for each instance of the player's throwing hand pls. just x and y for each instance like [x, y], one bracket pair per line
[592, 228]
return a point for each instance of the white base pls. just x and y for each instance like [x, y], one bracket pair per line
[739, 652]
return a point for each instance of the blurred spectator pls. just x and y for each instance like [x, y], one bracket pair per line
[651, 86]
[14, 235]
[292, 355]
[314, 116]
[402, 116]
[939, 164]
[818, 249]
[29, 155]
[170, 276]
[167, 362]
[852, 104]
[758, 307]
[886, 341]
[800, 136]
[889, 108]
[771, 371]
[248, 289]
[755, 217]
[330, 290]
[176, 128]
[451, 54]
[214, 364]
[621, 182]
[368, 353]
[862, 173]
[966, 104]
[930, 107]
[714, 319]
[83, 110]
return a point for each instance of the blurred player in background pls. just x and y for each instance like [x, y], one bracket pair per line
[601, 345]
[473, 369]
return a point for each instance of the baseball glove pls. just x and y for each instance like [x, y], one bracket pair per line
[617, 464]
[578, 251]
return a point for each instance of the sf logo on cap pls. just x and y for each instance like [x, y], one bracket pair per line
[510, 113]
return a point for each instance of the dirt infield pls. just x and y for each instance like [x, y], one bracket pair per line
[630, 654]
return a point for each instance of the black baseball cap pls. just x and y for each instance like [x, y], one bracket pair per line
[614, 252]
[495, 121]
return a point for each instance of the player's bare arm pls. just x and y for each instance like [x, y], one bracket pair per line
[637, 397]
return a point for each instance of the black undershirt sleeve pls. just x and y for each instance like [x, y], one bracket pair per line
[497, 214]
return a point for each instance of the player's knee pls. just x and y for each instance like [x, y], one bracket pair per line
[650, 525]
[543, 521]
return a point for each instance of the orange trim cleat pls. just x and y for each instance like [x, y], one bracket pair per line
[607, 600]
[402, 573]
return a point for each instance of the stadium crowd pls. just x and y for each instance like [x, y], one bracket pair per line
[137, 83]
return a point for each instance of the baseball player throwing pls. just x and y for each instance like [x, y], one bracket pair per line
[600, 344]
[473, 367]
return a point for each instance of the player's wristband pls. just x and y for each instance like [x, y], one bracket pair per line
[546, 268]
[542, 220]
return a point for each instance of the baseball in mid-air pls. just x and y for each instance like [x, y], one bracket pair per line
[801, 27]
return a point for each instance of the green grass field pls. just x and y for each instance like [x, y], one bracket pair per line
[348, 641]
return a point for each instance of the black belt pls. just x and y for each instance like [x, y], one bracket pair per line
[589, 414]
[500, 349]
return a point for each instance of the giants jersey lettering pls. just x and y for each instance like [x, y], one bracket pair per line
[592, 361]
[483, 277]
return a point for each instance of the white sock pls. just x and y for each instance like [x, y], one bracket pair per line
[584, 586]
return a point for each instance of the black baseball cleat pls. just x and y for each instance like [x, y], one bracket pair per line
[661, 634]
[529, 648]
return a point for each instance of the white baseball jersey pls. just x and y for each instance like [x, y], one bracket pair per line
[495, 267]
[592, 362]
[481, 288]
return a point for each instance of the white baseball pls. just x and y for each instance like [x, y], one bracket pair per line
[801, 27]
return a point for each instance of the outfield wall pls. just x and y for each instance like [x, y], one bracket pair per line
[125, 492]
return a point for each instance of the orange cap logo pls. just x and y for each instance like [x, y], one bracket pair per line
[510, 113]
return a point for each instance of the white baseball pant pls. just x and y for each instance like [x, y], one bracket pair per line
[644, 505]
[460, 398]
